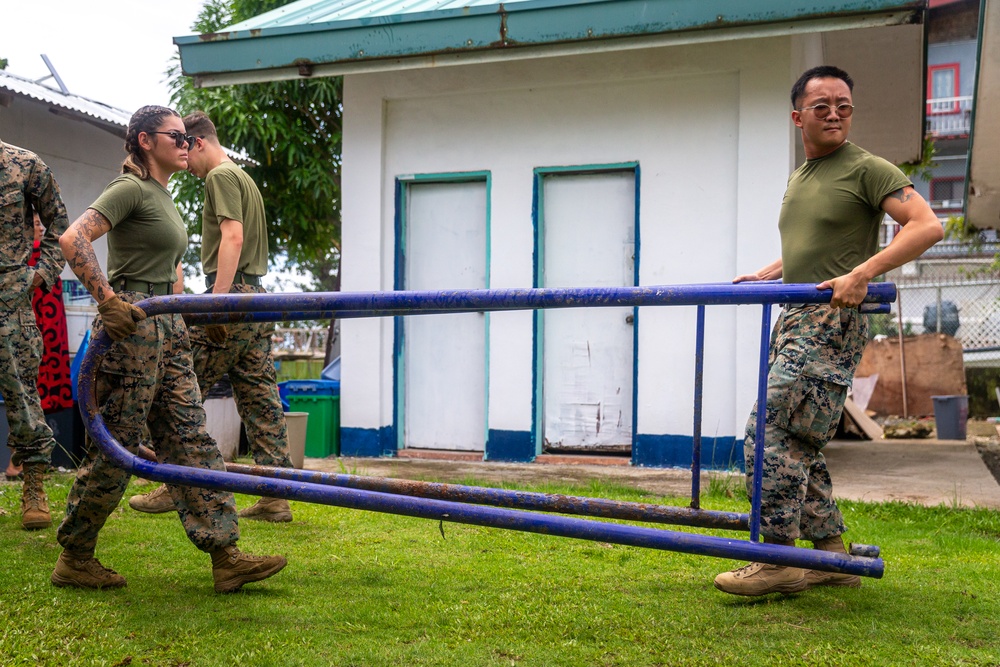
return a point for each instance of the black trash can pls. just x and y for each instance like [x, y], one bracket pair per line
[949, 318]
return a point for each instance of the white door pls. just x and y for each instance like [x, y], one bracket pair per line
[444, 405]
[588, 224]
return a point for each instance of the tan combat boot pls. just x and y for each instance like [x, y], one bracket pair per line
[268, 509]
[157, 501]
[761, 578]
[34, 503]
[231, 568]
[84, 571]
[834, 544]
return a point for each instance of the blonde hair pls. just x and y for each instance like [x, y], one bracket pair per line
[146, 119]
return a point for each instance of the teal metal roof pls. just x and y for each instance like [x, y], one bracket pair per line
[321, 33]
[311, 12]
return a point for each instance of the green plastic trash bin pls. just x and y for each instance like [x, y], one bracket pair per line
[323, 427]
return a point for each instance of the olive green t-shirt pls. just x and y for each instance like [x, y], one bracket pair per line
[231, 193]
[831, 213]
[148, 236]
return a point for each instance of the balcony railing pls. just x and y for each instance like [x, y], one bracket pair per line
[949, 116]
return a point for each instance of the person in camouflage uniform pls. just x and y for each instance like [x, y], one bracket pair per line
[234, 256]
[26, 187]
[829, 223]
[146, 378]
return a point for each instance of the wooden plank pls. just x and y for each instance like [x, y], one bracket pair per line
[864, 422]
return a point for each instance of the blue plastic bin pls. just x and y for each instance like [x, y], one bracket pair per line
[307, 388]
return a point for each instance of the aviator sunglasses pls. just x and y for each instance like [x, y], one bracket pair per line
[182, 140]
[823, 110]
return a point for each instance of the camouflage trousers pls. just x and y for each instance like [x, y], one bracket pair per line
[815, 350]
[246, 356]
[147, 380]
[30, 437]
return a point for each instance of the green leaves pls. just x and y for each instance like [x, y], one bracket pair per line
[292, 129]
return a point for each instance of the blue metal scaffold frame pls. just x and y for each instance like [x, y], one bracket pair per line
[514, 510]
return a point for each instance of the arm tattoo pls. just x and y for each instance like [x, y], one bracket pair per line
[903, 194]
[82, 259]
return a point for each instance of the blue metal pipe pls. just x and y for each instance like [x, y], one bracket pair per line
[264, 316]
[758, 452]
[699, 373]
[442, 510]
[381, 303]
[543, 502]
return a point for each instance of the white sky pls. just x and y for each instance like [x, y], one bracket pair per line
[112, 51]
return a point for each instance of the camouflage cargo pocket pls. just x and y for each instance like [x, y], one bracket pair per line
[808, 408]
[123, 380]
[198, 336]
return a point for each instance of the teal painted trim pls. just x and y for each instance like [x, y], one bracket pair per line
[448, 177]
[586, 169]
[637, 252]
[538, 327]
[262, 44]
[398, 329]
[538, 320]
[487, 356]
[399, 283]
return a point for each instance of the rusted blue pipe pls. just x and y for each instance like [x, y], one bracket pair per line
[543, 502]
[380, 303]
[758, 456]
[264, 316]
[699, 377]
[442, 510]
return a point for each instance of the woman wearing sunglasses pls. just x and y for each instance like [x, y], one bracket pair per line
[146, 377]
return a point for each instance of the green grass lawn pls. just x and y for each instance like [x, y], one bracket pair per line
[371, 589]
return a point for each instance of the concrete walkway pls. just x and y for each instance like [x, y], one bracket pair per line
[928, 472]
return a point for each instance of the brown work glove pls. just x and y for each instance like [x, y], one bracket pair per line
[119, 318]
[216, 333]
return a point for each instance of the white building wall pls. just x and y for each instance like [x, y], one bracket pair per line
[709, 126]
[84, 158]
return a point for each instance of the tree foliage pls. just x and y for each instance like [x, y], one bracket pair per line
[292, 130]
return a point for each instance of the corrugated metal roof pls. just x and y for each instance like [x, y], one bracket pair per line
[109, 118]
[338, 36]
[313, 12]
[113, 117]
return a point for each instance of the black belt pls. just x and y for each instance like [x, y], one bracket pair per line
[240, 277]
[152, 289]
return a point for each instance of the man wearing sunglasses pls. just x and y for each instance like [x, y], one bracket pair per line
[234, 257]
[829, 222]
[26, 187]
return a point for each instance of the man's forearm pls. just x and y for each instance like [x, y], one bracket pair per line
[913, 239]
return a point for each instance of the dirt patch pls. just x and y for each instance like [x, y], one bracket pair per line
[986, 434]
[990, 451]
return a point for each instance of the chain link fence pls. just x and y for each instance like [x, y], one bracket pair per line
[953, 290]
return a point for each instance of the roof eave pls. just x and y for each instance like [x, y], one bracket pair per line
[520, 30]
